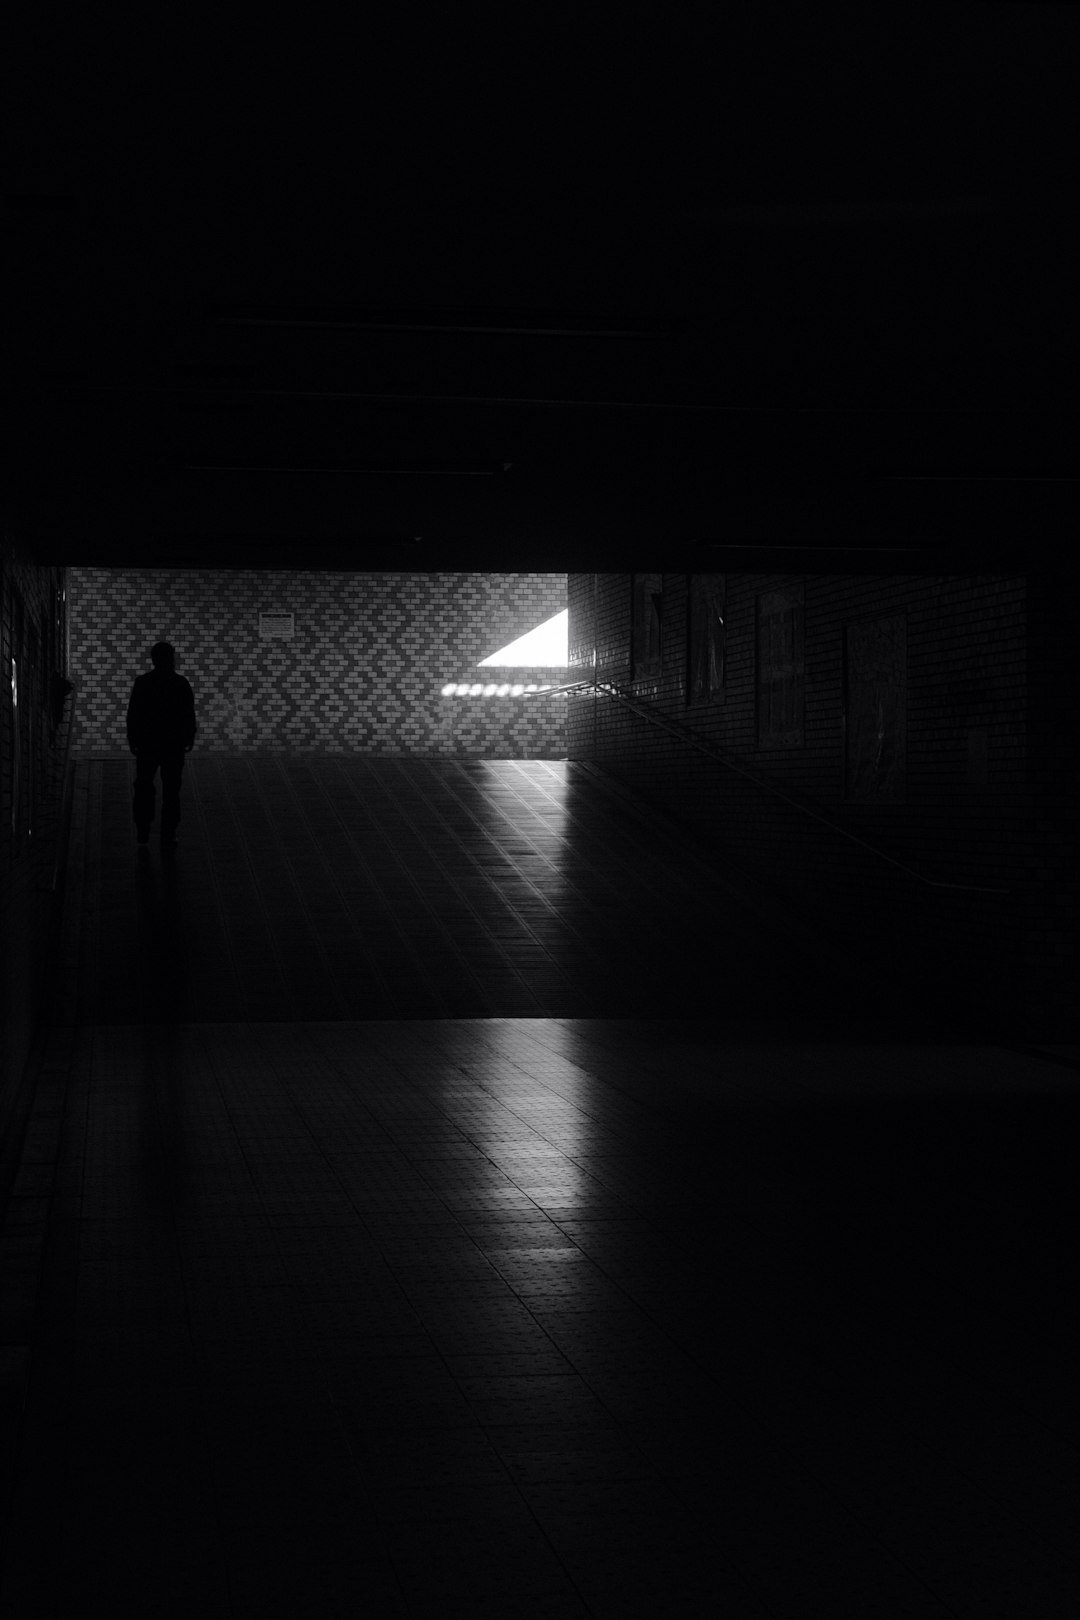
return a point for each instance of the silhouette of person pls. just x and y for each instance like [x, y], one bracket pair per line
[160, 730]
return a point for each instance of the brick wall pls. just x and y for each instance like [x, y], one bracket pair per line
[965, 812]
[364, 671]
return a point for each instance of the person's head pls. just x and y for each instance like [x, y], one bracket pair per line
[162, 656]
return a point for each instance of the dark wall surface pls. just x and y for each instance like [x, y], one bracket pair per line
[904, 723]
[34, 718]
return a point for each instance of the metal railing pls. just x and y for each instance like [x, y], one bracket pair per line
[610, 689]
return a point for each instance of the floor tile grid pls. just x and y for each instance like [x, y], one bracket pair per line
[263, 1407]
[91, 955]
[185, 962]
[499, 930]
[956, 1577]
[841, 984]
[336, 803]
[27, 1239]
[295, 869]
[329, 992]
[509, 817]
[588, 864]
[544, 1188]
[580, 1225]
[465, 1328]
[416, 961]
[664, 830]
[646, 1354]
[704, 914]
[700, 1347]
[437, 1148]
[180, 911]
[453, 1116]
[65, 1001]
[492, 1050]
[355, 957]
[463, 793]
[783, 1140]
[48, 1431]
[769, 1086]
[236, 830]
[929, 1495]
[711, 1072]
[183, 942]
[569, 1126]
[399, 956]
[495, 912]
[593, 868]
[595, 1169]
[595, 1163]
[588, 805]
[237, 962]
[920, 1430]
[715, 1067]
[469, 1077]
[595, 843]
[327, 809]
[531, 984]
[112, 906]
[813, 1462]
[538, 822]
[119, 903]
[497, 1381]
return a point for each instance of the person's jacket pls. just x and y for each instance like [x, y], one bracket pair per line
[161, 713]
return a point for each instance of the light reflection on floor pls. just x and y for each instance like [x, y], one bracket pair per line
[321, 1298]
[324, 887]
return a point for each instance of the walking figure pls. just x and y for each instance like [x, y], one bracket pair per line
[160, 730]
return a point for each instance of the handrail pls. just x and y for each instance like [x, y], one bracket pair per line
[595, 685]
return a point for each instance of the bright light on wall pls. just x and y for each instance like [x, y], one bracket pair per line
[547, 645]
[478, 689]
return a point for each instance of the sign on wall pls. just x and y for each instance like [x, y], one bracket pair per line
[276, 626]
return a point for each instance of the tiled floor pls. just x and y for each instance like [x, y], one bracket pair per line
[328, 888]
[338, 1285]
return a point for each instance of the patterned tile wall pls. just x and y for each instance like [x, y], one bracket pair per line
[364, 672]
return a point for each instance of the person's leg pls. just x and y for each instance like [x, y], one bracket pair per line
[143, 801]
[172, 769]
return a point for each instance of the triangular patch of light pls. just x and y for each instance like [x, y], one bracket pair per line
[546, 646]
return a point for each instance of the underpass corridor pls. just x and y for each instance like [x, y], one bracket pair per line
[446, 1193]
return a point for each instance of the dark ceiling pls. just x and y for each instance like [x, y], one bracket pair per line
[711, 285]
